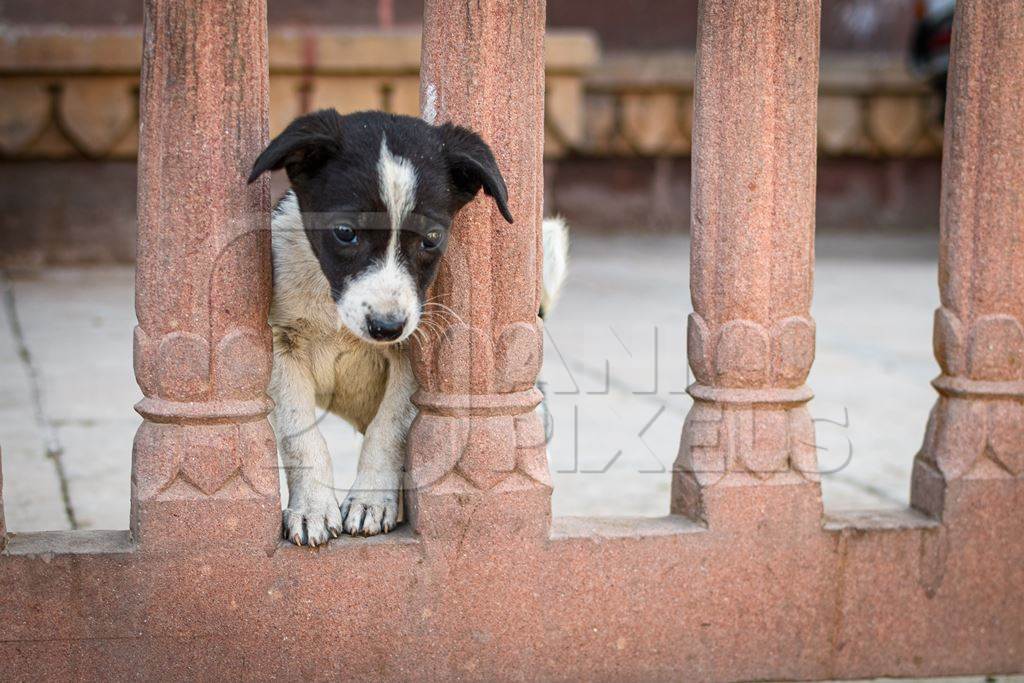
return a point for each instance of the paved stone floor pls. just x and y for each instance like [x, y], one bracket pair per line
[614, 373]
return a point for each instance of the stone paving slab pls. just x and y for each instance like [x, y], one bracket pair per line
[614, 373]
[32, 489]
[76, 323]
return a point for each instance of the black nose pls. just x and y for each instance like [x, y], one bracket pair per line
[385, 329]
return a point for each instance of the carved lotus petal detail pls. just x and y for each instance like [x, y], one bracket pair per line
[257, 451]
[803, 455]
[761, 439]
[741, 356]
[702, 447]
[839, 123]
[489, 454]
[651, 122]
[931, 429]
[143, 361]
[518, 357]
[698, 348]
[895, 123]
[948, 341]
[241, 364]
[996, 349]
[152, 474]
[959, 438]
[531, 448]
[96, 114]
[183, 366]
[435, 445]
[210, 458]
[792, 350]
[24, 115]
[1006, 435]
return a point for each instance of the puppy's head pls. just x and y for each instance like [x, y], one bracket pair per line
[377, 193]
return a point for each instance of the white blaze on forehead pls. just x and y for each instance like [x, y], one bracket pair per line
[397, 191]
[386, 289]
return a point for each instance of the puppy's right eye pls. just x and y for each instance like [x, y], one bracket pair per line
[345, 235]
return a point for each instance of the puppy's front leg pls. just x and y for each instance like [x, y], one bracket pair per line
[371, 507]
[312, 513]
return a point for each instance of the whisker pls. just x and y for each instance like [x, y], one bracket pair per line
[433, 301]
[431, 327]
[434, 329]
[444, 309]
[436, 325]
[438, 315]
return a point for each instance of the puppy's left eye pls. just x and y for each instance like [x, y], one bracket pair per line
[432, 239]
[345, 234]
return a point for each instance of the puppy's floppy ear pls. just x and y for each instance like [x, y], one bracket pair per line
[472, 166]
[303, 146]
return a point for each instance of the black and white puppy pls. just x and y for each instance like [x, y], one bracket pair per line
[356, 244]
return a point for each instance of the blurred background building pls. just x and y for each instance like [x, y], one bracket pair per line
[619, 112]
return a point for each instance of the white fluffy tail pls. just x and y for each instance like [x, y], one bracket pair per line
[555, 239]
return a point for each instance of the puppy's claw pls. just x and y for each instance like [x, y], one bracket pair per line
[311, 524]
[370, 513]
[354, 519]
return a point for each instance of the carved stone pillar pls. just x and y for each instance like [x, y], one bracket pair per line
[476, 452]
[204, 464]
[976, 429]
[750, 340]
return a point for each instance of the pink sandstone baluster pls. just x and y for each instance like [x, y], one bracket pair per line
[204, 465]
[476, 451]
[975, 434]
[748, 441]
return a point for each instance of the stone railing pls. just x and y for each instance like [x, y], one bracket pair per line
[744, 578]
[74, 94]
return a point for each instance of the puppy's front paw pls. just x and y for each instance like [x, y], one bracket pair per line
[370, 512]
[312, 520]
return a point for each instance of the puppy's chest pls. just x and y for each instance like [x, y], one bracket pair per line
[350, 377]
[360, 375]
